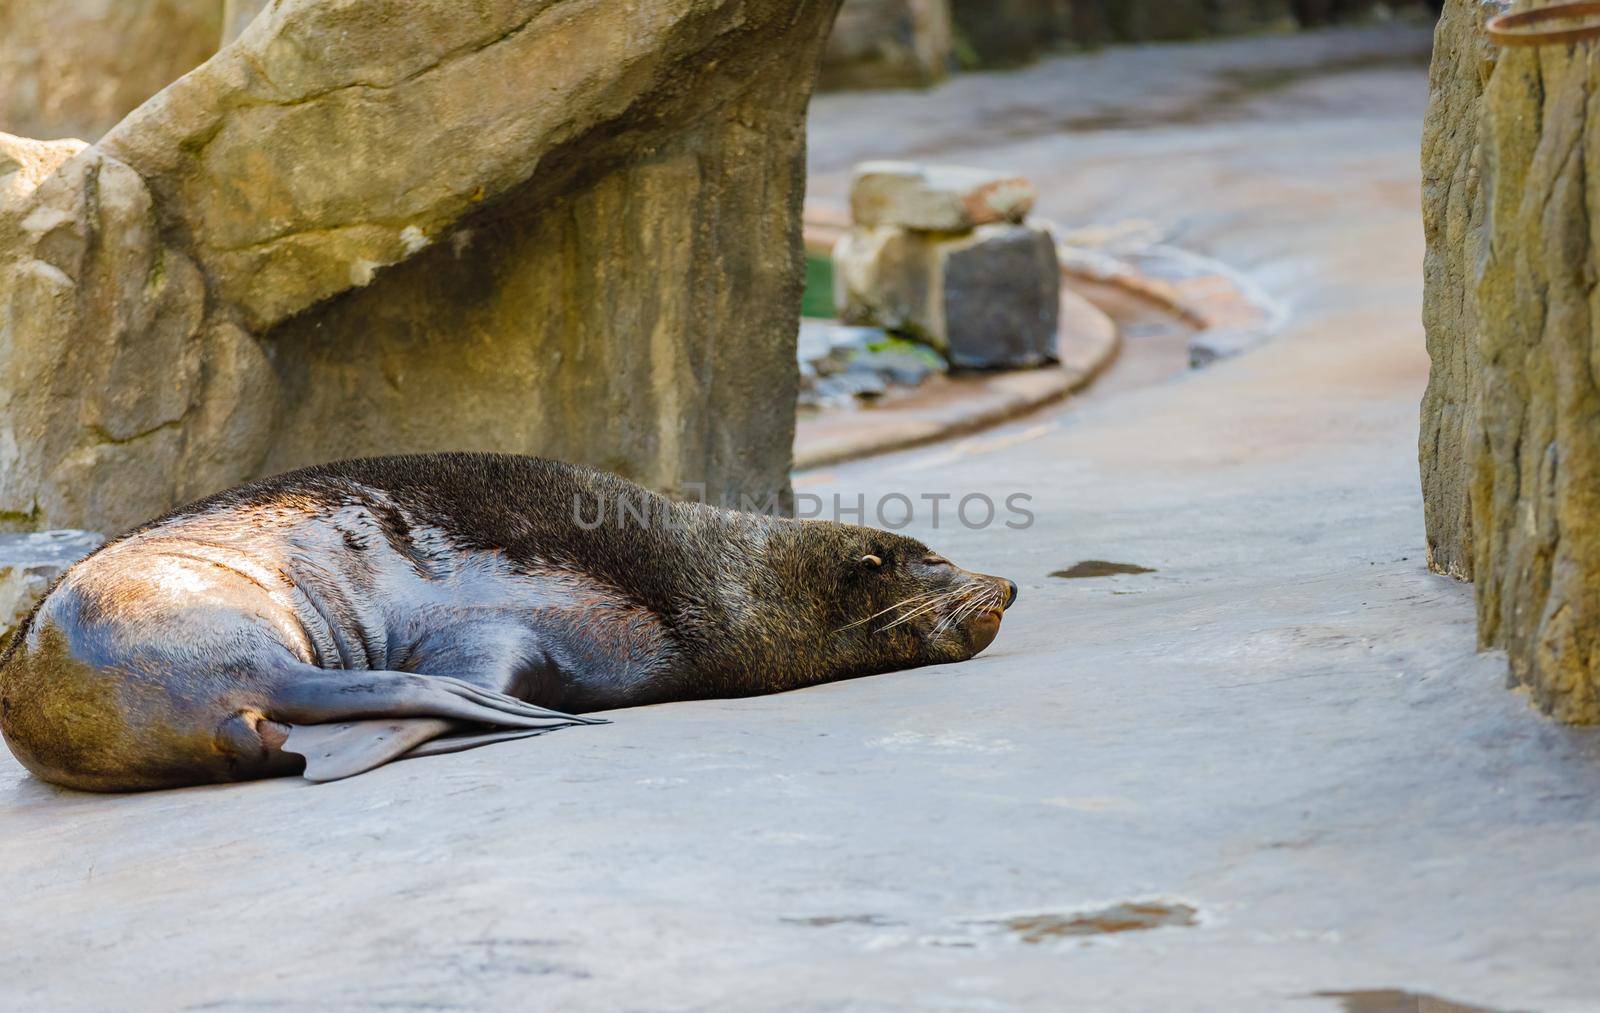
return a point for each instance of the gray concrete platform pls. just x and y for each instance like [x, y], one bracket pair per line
[1284, 726]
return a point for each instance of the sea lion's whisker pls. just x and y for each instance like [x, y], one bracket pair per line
[891, 608]
[925, 607]
[980, 599]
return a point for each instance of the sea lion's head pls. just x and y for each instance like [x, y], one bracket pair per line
[890, 602]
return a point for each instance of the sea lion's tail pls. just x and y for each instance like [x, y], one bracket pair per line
[346, 723]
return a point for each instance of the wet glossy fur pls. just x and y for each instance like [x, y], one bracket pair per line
[447, 594]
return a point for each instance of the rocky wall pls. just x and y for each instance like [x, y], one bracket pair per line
[567, 227]
[1452, 222]
[1510, 443]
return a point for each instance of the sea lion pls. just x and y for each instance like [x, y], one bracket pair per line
[332, 619]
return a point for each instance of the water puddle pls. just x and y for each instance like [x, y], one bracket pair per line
[825, 921]
[1394, 1000]
[1131, 916]
[1100, 568]
[1032, 929]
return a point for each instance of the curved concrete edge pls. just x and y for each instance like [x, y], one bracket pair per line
[1231, 313]
[955, 406]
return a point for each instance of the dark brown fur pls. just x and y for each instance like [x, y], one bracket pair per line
[447, 593]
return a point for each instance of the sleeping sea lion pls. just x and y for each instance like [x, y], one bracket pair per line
[332, 619]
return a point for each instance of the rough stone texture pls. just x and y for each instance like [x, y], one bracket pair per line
[888, 44]
[1510, 450]
[600, 198]
[936, 198]
[1452, 221]
[73, 68]
[881, 279]
[29, 563]
[1536, 476]
[25, 163]
[985, 299]
[999, 297]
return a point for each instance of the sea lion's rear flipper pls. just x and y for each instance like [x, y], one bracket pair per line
[446, 744]
[337, 751]
[346, 723]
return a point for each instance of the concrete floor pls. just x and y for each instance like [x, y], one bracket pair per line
[1284, 727]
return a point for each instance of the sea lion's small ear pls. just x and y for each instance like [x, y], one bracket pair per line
[871, 562]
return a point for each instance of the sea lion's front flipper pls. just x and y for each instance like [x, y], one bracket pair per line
[336, 751]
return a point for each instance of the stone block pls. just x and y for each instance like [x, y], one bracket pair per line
[987, 299]
[30, 563]
[936, 198]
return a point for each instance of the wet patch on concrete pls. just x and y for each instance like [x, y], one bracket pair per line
[827, 921]
[1394, 1000]
[1130, 916]
[1100, 568]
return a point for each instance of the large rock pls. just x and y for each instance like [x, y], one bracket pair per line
[1536, 480]
[986, 299]
[73, 68]
[936, 198]
[568, 228]
[1510, 416]
[1452, 221]
[888, 44]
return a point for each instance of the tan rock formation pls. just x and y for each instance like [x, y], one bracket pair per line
[560, 226]
[1510, 429]
[1452, 221]
[73, 68]
[1536, 481]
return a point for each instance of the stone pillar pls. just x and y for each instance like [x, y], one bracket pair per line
[1536, 484]
[73, 68]
[568, 228]
[1512, 414]
[1452, 222]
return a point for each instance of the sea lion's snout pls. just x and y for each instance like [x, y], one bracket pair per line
[907, 605]
[983, 626]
